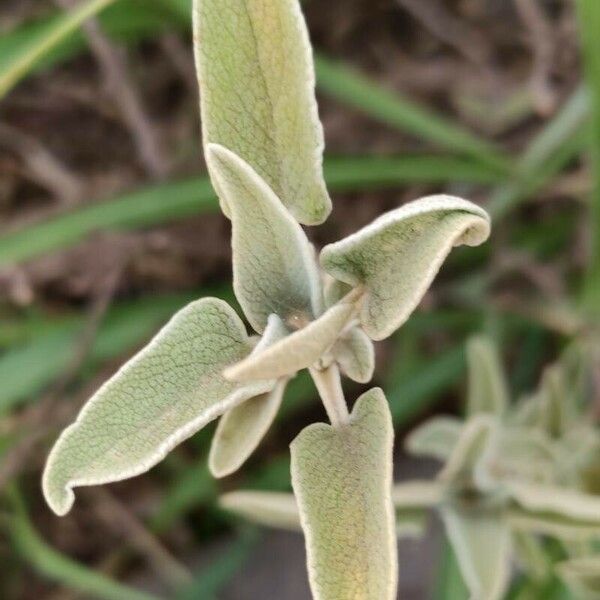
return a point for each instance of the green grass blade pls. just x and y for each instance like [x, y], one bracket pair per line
[23, 57]
[589, 13]
[354, 89]
[57, 567]
[172, 201]
[547, 154]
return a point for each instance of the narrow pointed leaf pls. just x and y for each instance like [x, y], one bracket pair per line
[257, 81]
[396, 257]
[469, 449]
[241, 429]
[162, 396]
[274, 268]
[437, 437]
[297, 351]
[553, 524]
[488, 390]
[355, 354]
[417, 494]
[272, 509]
[582, 576]
[482, 544]
[560, 501]
[342, 478]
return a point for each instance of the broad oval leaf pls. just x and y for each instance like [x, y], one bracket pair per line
[355, 354]
[272, 509]
[241, 429]
[396, 257]
[342, 478]
[274, 267]
[297, 351]
[162, 396]
[257, 81]
[488, 390]
[482, 544]
[437, 437]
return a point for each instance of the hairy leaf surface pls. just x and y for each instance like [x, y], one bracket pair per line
[274, 268]
[297, 351]
[396, 257]
[355, 354]
[162, 396]
[488, 390]
[342, 478]
[272, 509]
[256, 75]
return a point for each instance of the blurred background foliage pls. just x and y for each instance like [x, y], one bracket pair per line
[108, 224]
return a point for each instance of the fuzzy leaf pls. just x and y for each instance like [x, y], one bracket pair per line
[342, 478]
[437, 437]
[272, 509]
[256, 76]
[560, 501]
[274, 267]
[396, 257]
[241, 430]
[582, 576]
[482, 544]
[355, 354]
[488, 390]
[417, 494]
[554, 525]
[468, 450]
[162, 396]
[297, 351]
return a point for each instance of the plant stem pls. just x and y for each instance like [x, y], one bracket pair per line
[329, 386]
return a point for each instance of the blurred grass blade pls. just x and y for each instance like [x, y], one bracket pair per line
[15, 65]
[354, 89]
[589, 13]
[58, 567]
[549, 152]
[168, 202]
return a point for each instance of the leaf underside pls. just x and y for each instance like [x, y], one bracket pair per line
[159, 398]
[256, 75]
[396, 257]
[342, 479]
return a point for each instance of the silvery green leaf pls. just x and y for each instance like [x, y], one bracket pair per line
[342, 478]
[274, 267]
[162, 396]
[469, 449]
[411, 523]
[355, 354]
[241, 429]
[516, 454]
[482, 544]
[395, 258]
[334, 290]
[557, 500]
[272, 509]
[257, 81]
[488, 390]
[582, 577]
[552, 524]
[437, 437]
[417, 494]
[298, 350]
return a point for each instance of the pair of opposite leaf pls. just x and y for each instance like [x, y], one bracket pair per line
[509, 477]
[263, 145]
